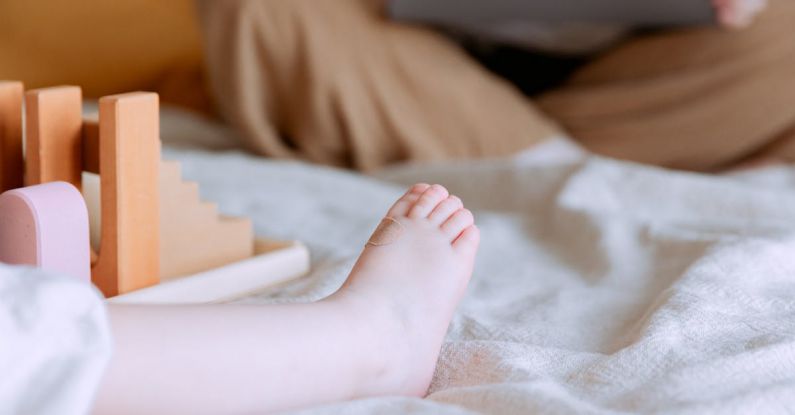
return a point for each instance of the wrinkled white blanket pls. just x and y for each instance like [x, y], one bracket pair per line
[54, 343]
[601, 287]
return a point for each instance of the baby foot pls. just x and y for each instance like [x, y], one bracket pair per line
[409, 280]
[738, 13]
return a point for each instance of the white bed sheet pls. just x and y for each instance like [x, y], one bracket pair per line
[601, 287]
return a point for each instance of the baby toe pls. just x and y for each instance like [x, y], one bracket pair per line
[404, 204]
[456, 224]
[467, 243]
[428, 201]
[445, 209]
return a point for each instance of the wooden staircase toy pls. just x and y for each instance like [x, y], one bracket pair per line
[154, 239]
[193, 248]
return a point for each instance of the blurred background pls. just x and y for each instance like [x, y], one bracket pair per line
[702, 85]
[104, 47]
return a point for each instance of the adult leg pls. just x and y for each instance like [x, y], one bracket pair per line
[338, 83]
[780, 150]
[698, 99]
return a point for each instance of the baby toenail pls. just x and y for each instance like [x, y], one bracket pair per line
[387, 232]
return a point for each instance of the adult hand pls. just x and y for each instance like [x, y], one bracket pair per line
[737, 14]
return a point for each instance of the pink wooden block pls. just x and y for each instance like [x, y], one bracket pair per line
[46, 226]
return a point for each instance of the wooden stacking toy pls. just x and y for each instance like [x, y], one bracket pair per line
[157, 241]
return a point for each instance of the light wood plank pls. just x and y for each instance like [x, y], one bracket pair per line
[53, 140]
[129, 148]
[274, 263]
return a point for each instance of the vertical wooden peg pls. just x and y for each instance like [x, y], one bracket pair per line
[53, 141]
[11, 164]
[129, 159]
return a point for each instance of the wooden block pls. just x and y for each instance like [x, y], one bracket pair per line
[191, 229]
[53, 141]
[11, 164]
[46, 226]
[274, 263]
[129, 149]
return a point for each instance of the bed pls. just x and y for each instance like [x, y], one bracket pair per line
[601, 287]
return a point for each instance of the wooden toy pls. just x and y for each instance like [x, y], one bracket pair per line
[129, 157]
[11, 163]
[46, 226]
[53, 122]
[274, 263]
[190, 248]
[148, 226]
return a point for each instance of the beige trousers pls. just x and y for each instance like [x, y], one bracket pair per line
[697, 99]
[336, 83]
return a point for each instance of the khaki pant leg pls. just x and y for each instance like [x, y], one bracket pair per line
[334, 82]
[697, 99]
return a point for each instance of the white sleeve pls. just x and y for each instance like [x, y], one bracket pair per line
[54, 342]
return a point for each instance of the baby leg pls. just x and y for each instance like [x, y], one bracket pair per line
[380, 334]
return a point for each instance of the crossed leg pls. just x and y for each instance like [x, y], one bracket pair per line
[697, 99]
